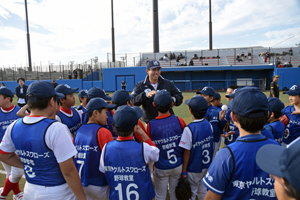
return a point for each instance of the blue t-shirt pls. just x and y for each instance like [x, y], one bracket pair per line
[73, 122]
[293, 127]
[236, 175]
[6, 118]
[212, 115]
[84, 115]
[232, 138]
[277, 129]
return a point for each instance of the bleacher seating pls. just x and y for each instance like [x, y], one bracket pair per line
[246, 61]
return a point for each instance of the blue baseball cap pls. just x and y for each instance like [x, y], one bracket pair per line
[120, 97]
[281, 161]
[197, 103]
[153, 64]
[207, 91]
[59, 96]
[250, 102]
[97, 92]
[96, 103]
[233, 93]
[82, 94]
[40, 90]
[162, 98]
[294, 90]
[7, 91]
[217, 96]
[65, 89]
[126, 117]
[275, 104]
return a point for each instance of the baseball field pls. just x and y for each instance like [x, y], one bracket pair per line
[181, 111]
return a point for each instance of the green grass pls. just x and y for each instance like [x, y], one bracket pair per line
[181, 111]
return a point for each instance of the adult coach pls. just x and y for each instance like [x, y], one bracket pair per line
[274, 87]
[21, 92]
[144, 91]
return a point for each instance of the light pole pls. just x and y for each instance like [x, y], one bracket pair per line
[155, 27]
[112, 32]
[28, 38]
[210, 27]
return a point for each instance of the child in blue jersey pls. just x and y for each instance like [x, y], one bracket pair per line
[274, 125]
[121, 98]
[212, 115]
[217, 101]
[69, 115]
[197, 141]
[89, 142]
[283, 166]
[43, 148]
[292, 131]
[82, 96]
[8, 114]
[233, 173]
[124, 161]
[165, 131]
[98, 92]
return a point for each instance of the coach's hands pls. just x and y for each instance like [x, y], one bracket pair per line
[151, 93]
[228, 134]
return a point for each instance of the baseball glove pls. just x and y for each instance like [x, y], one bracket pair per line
[183, 190]
[226, 127]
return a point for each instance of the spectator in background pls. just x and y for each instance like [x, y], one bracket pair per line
[238, 58]
[279, 65]
[147, 60]
[267, 55]
[289, 64]
[191, 62]
[195, 56]
[243, 55]
[70, 74]
[291, 51]
[173, 56]
[21, 92]
[274, 87]
[2, 85]
[184, 63]
[177, 60]
[166, 57]
[60, 77]
[123, 84]
[75, 74]
[299, 65]
[249, 55]
[54, 83]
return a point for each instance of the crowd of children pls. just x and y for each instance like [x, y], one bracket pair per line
[92, 152]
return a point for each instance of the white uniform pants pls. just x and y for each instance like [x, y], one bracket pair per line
[198, 189]
[96, 192]
[164, 177]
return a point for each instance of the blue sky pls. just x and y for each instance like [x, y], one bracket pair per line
[79, 30]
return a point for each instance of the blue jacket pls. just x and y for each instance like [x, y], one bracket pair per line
[21, 95]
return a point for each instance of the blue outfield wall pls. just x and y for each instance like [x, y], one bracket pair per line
[288, 77]
[189, 78]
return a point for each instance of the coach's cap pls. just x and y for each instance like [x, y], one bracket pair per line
[276, 76]
[281, 161]
[120, 97]
[294, 90]
[275, 104]
[65, 89]
[96, 103]
[250, 102]
[126, 117]
[162, 98]
[153, 64]
[82, 94]
[217, 96]
[197, 103]
[97, 92]
[40, 90]
[7, 91]
[207, 91]
[232, 94]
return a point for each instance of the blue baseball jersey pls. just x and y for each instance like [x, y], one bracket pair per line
[126, 171]
[212, 115]
[84, 115]
[203, 146]
[277, 129]
[109, 123]
[6, 118]
[239, 177]
[293, 127]
[73, 122]
[87, 159]
[219, 108]
[267, 133]
[166, 134]
[232, 138]
[29, 141]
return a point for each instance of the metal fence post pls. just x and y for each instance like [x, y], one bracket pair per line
[234, 56]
